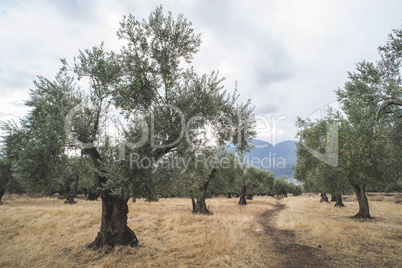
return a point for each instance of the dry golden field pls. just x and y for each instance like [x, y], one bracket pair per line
[45, 232]
[374, 242]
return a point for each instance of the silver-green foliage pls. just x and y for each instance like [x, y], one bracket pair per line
[369, 144]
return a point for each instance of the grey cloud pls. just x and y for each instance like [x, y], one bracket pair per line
[15, 80]
[271, 62]
[278, 57]
[271, 73]
[225, 21]
[265, 107]
[75, 9]
[7, 114]
[251, 45]
[15, 83]
[19, 104]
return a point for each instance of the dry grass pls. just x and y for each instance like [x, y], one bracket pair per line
[47, 232]
[375, 242]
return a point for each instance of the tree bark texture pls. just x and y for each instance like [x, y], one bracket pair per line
[364, 211]
[114, 229]
[324, 197]
[200, 205]
[339, 202]
[243, 193]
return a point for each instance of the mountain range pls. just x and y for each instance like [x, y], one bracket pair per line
[279, 159]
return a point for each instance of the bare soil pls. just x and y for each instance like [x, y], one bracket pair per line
[293, 253]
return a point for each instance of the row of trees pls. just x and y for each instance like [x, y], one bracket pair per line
[163, 112]
[231, 179]
[360, 145]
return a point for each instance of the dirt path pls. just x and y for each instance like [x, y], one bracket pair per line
[285, 245]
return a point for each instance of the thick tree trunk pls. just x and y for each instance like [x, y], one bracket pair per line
[324, 197]
[364, 211]
[338, 199]
[229, 195]
[243, 193]
[114, 230]
[333, 197]
[200, 205]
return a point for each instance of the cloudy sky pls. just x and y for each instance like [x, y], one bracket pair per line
[287, 56]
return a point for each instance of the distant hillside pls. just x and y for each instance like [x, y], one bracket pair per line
[279, 159]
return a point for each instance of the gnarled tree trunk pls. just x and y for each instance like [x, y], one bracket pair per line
[324, 197]
[339, 202]
[243, 193]
[200, 205]
[364, 211]
[333, 197]
[114, 229]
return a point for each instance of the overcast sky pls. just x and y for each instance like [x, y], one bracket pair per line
[287, 56]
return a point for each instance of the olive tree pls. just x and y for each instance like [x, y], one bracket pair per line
[368, 147]
[166, 109]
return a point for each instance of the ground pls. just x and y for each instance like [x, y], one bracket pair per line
[268, 232]
[293, 254]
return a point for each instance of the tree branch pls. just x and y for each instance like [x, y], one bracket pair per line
[385, 105]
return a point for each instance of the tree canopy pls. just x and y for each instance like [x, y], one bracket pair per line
[164, 110]
[368, 146]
